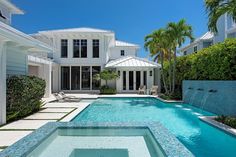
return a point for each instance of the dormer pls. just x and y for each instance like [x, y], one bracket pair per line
[7, 9]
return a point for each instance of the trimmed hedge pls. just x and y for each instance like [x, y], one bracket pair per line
[230, 121]
[217, 62]
[107, 90]
[24, 95]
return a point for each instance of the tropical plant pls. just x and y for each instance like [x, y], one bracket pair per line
[217, 8]
[178, 33]
[106, 75]
[157, 43]
[163, 44]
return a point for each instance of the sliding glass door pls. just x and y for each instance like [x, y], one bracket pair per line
[65, 78]
[131, 80]
[75, 78]
[86, 78]
[95, 83]
[138, 79]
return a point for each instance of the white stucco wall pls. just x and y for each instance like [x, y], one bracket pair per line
[115, 52]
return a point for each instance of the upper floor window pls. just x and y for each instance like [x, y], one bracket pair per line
[122, 52]
[195, 49]
[185, 53]
[76, 48]
[64, 48]
[1, 15]
[83, 48]
[96, 48]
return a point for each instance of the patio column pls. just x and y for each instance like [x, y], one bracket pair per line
[2, 82]
[47, 78]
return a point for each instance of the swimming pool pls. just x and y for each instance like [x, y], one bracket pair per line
[182, 120]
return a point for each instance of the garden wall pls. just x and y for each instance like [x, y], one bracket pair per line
[218, 97]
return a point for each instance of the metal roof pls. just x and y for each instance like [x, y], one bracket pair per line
[122, 43]
[132, 61]
[207, 36]
[14, 9]
[80, 29]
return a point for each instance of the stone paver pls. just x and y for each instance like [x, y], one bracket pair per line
[7, 138]
[64, 105]
[56, 110]
[26, 124]
[46, 116]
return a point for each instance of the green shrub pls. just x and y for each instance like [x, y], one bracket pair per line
[24, 95]
[107, 90]
[217, 62]
[230, 121]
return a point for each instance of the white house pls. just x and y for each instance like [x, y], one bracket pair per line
[16, 50]
[226, 29]
[80, 53]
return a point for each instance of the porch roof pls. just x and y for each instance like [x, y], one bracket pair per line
[132, 61]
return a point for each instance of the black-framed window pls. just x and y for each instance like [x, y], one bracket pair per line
[131, 80]
[145, 78]
[185, 53]
[138, 79]
[95, 83]
[64, 48]
[150, 73]
[83, 48]
[76, 48]
[124, 80]
[75, 78]
[195, 49]
[122, 52]
[85, 77]
[65, 78]
[95, 48]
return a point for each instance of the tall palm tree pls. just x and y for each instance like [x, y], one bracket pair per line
[178, 33]
[217, 8]
[158, 45]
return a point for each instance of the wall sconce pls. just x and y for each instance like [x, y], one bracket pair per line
[150, 73]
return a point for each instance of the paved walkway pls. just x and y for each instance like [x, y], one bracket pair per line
[51, 112]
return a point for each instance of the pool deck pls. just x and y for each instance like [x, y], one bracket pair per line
[51, 112]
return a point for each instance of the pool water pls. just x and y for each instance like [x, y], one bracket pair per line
[99, 142]
[182, 120]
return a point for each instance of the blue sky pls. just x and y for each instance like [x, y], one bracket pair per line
[130, 19]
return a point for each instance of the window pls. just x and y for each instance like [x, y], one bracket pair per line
[76, 48]
[95, 83]
[122, 52]
[65, 78]
[138, 79]
[84, 48]
[131, 80]
[95, 48]
[86, 78]
[64, 48]
[124, 80]
[1, 15]
[195, 49]
[75, 78]
[145, 78]
[185, 53]
[150, 74]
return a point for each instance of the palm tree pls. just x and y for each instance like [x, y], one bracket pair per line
[178, 33]
[157, 43]
[217, 8]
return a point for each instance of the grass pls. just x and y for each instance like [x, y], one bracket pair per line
[230, 121]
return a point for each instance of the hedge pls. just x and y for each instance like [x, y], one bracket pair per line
[217, 62]
[107, 90]
[24, 95]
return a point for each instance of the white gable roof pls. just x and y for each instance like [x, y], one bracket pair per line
[131, 61]
[122, 43]
[81, 30]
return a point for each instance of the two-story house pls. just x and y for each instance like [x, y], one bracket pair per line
[226, 29]
[16, 50]
[80, 53]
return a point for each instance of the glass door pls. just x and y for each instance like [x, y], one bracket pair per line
[138, 79]
[131, 80]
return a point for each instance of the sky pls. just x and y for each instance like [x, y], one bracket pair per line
[131, 20]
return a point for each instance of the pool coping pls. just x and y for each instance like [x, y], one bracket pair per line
[171, 146]
[210, 120]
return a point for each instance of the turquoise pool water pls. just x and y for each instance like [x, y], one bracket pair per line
[201, 139]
